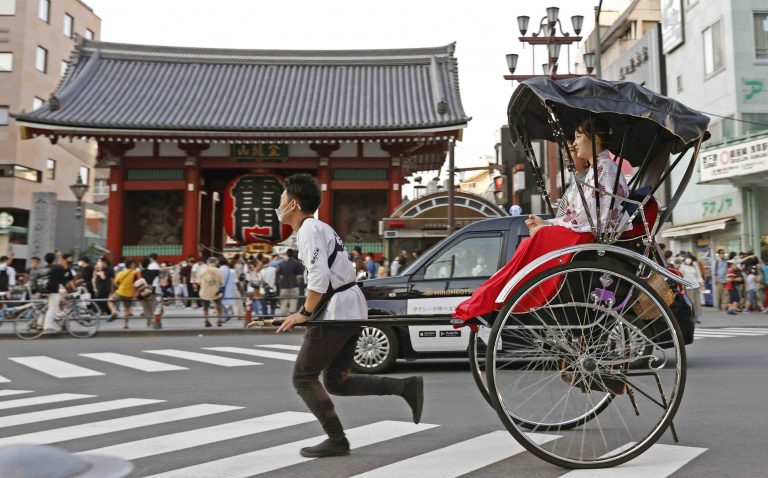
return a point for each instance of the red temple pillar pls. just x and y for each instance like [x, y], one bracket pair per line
[395, 195]
[191, 222]
[324, 150]
[114, 153]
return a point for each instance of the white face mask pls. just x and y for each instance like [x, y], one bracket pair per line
[280, 214]
[689, 261]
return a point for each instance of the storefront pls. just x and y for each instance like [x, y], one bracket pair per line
[177, 127]
[421, 223]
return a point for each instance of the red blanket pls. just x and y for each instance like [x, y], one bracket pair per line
[546, 240]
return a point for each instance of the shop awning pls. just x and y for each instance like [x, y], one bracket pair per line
[697, 228]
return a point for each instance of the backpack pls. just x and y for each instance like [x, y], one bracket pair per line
[4, 279]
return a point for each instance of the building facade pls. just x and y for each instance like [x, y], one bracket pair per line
[717, 62]
[36, 40]
[194, 139]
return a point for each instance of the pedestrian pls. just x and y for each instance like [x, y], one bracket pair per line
[267, 288]
[383, 268]
[228, 289]
[720, 277]
[60, 279]
[183, 286]
[103, 277]
[289, 274]
[370, 267]
[197, 267]
[124, 290]
[690, 271]
[7, 274]
[332, 294]
[146, 291]
[33, 272]
[733, 285]
[86, 274]
[764, 268]
[753, 285]
[211, 282]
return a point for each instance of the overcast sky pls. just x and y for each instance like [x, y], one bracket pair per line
[484, 31]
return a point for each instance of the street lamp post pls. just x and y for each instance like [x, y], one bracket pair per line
[79, 189]
[546, 35]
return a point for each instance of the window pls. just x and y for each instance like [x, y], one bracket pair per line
[64, 66]
[69, 25]
[84, 172]
[472, 257]
[21, 172]
[713, 49]
[3, 115]
[41, 59]
[6, 61]
[37, 103]
[7, 7]
[50, 169]
[44, 10]
[100, 187]
[761, 35]
[729, 128]
[754, 122]
[89, 34]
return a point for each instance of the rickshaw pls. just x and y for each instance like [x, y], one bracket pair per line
[592, 374]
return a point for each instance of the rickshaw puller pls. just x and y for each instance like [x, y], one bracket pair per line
[332, 294]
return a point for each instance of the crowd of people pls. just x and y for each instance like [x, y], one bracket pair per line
[738, 281]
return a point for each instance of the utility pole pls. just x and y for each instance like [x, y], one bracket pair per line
[451, 167]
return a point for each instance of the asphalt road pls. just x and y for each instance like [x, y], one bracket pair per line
[190, 413]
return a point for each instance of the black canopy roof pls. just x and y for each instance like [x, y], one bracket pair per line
[618, 103]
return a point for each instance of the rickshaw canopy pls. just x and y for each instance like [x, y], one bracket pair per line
[619, 103]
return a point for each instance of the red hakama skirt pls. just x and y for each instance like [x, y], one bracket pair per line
[546, 240]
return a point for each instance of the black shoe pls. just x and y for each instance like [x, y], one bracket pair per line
[112, 318]
[414, 395]
[330, 447]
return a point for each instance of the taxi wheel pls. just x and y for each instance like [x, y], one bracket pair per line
[376, 350]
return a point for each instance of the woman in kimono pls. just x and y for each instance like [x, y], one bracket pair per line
[571, 225]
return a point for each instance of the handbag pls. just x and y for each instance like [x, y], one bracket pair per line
[644, 307]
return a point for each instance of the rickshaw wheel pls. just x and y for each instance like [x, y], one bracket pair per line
[574, 361]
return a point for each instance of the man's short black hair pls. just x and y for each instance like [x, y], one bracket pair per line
[50, 257]
[290, 253]
[305, 190]
[153, 256]
[85, 259]
[67, 257]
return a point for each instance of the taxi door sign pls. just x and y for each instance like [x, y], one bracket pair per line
[249, 209]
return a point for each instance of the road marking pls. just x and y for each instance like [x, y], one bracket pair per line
[5, 393]
[729, 331]
[203, 436]
[256, 353]
[659, 461]
[458, 459]
[55, 367]
[4, 380]
[134, 362]
[73, 411]
[26, 402]
[747, 329]
[115, 425]
[726, 334]
[281, 456]
[295, 348]
[711, 336]
[205, 358]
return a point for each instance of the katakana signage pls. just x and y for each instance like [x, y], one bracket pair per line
[249, 209]
[740, 159]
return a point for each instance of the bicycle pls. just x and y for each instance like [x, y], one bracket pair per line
[25, 317]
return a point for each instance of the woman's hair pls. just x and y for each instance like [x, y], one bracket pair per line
[601, 129]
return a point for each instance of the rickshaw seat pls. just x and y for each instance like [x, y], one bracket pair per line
[651, 213]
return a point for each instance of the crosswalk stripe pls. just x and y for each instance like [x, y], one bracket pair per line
[281, 456]
[457, 459]
[55, 367]
[731, 331]
[203, 436]
[5, 393]
[73, 411]
[659, 461]
[728, 333]
[116, 424]
[711, 336]
[134, 362]
[4, 380]
[205, 358]
[26, 402]
[256, 353]
[748, 329]
[295, 348]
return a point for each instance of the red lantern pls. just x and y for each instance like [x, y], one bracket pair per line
[249, 209]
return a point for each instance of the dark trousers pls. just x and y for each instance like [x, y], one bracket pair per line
[330, 350]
